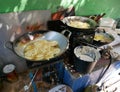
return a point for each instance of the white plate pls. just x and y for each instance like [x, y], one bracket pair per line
[61, 88]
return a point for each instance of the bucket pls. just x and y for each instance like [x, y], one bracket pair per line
[85, 58]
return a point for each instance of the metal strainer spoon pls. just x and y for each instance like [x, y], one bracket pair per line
[26, 87]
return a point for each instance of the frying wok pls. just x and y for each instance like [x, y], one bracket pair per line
[92, 24]
[63, 42]
[102, 38]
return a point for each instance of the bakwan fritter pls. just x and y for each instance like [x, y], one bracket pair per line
[41, 50]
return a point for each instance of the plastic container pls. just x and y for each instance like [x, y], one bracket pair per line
[9, 71]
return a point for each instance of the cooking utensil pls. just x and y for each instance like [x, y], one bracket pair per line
[27, 87]
[102, 37]
[97, 17]
[92, 24]
[85, 58]
[26, 38]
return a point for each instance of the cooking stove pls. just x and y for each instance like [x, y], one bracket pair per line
[42, 64]
[79, 39]
[48, 74]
